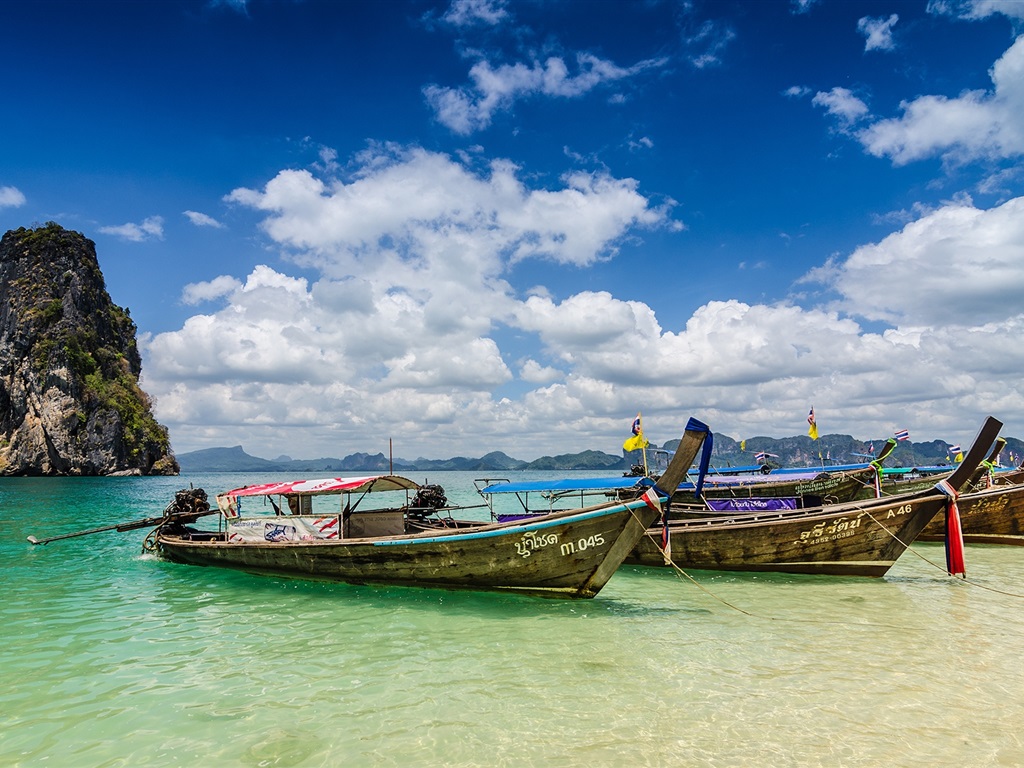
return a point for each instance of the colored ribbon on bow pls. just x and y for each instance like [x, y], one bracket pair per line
[653, 500]
[693, 425]
[878, 478]
[954, 533]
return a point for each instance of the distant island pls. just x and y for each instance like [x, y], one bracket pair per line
[237, 460]
[728, 452]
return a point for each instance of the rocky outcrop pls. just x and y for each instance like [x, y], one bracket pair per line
[70, 402]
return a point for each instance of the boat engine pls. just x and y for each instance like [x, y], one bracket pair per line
[428, 499]
[188, 505]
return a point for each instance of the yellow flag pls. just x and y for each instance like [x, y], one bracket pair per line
[635, 443]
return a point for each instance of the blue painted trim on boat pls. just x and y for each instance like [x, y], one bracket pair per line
[573, 484]
[516, 529]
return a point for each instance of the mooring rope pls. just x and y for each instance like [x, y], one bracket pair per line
[678, 571]
[942, 568]
[149, 543]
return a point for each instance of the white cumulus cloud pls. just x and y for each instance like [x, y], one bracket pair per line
[202, 220]
[878, 32]
[973, 125]
[410, 325]
[11, 197]
[463, 13]
[843, 104]
[958, 265]
[196, 293]
[471, 108]
[150, 228]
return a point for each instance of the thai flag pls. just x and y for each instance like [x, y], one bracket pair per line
[636, 425]
[651, 499]
[954, 449]
[760, 457]
[871, 447]
[902, 434]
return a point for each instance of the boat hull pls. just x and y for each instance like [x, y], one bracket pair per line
[992, 516]
[856, 539]
[570, 555]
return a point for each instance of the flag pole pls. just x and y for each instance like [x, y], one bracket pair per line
[644, 448]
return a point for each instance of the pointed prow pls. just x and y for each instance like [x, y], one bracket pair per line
[980, 448]
[695, 435]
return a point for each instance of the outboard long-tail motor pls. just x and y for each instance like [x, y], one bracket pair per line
[188, 505]
[428, 499]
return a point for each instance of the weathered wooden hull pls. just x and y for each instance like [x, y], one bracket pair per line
[853, 539]
[991, 516]
[568, 555]
[826, 488]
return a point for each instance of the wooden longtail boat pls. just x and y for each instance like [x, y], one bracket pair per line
[861, 538]
[990, 516]
[567, 554]
[570, 553]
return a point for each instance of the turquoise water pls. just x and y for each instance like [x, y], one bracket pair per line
[109, 657]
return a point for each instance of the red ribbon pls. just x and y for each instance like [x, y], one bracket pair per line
[954, 532]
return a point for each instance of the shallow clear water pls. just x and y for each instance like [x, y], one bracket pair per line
[109, 657]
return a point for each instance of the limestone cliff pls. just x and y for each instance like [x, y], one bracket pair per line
[70, 402]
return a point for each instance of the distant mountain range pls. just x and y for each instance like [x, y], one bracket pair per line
[788, 451]
[237, 460]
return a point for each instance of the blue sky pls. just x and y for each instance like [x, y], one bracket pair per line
[481, 225]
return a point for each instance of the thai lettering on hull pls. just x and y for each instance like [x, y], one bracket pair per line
[533, 541]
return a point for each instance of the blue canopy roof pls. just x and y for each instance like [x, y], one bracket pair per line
[569, 485]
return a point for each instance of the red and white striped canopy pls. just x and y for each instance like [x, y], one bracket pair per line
[327, 485]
